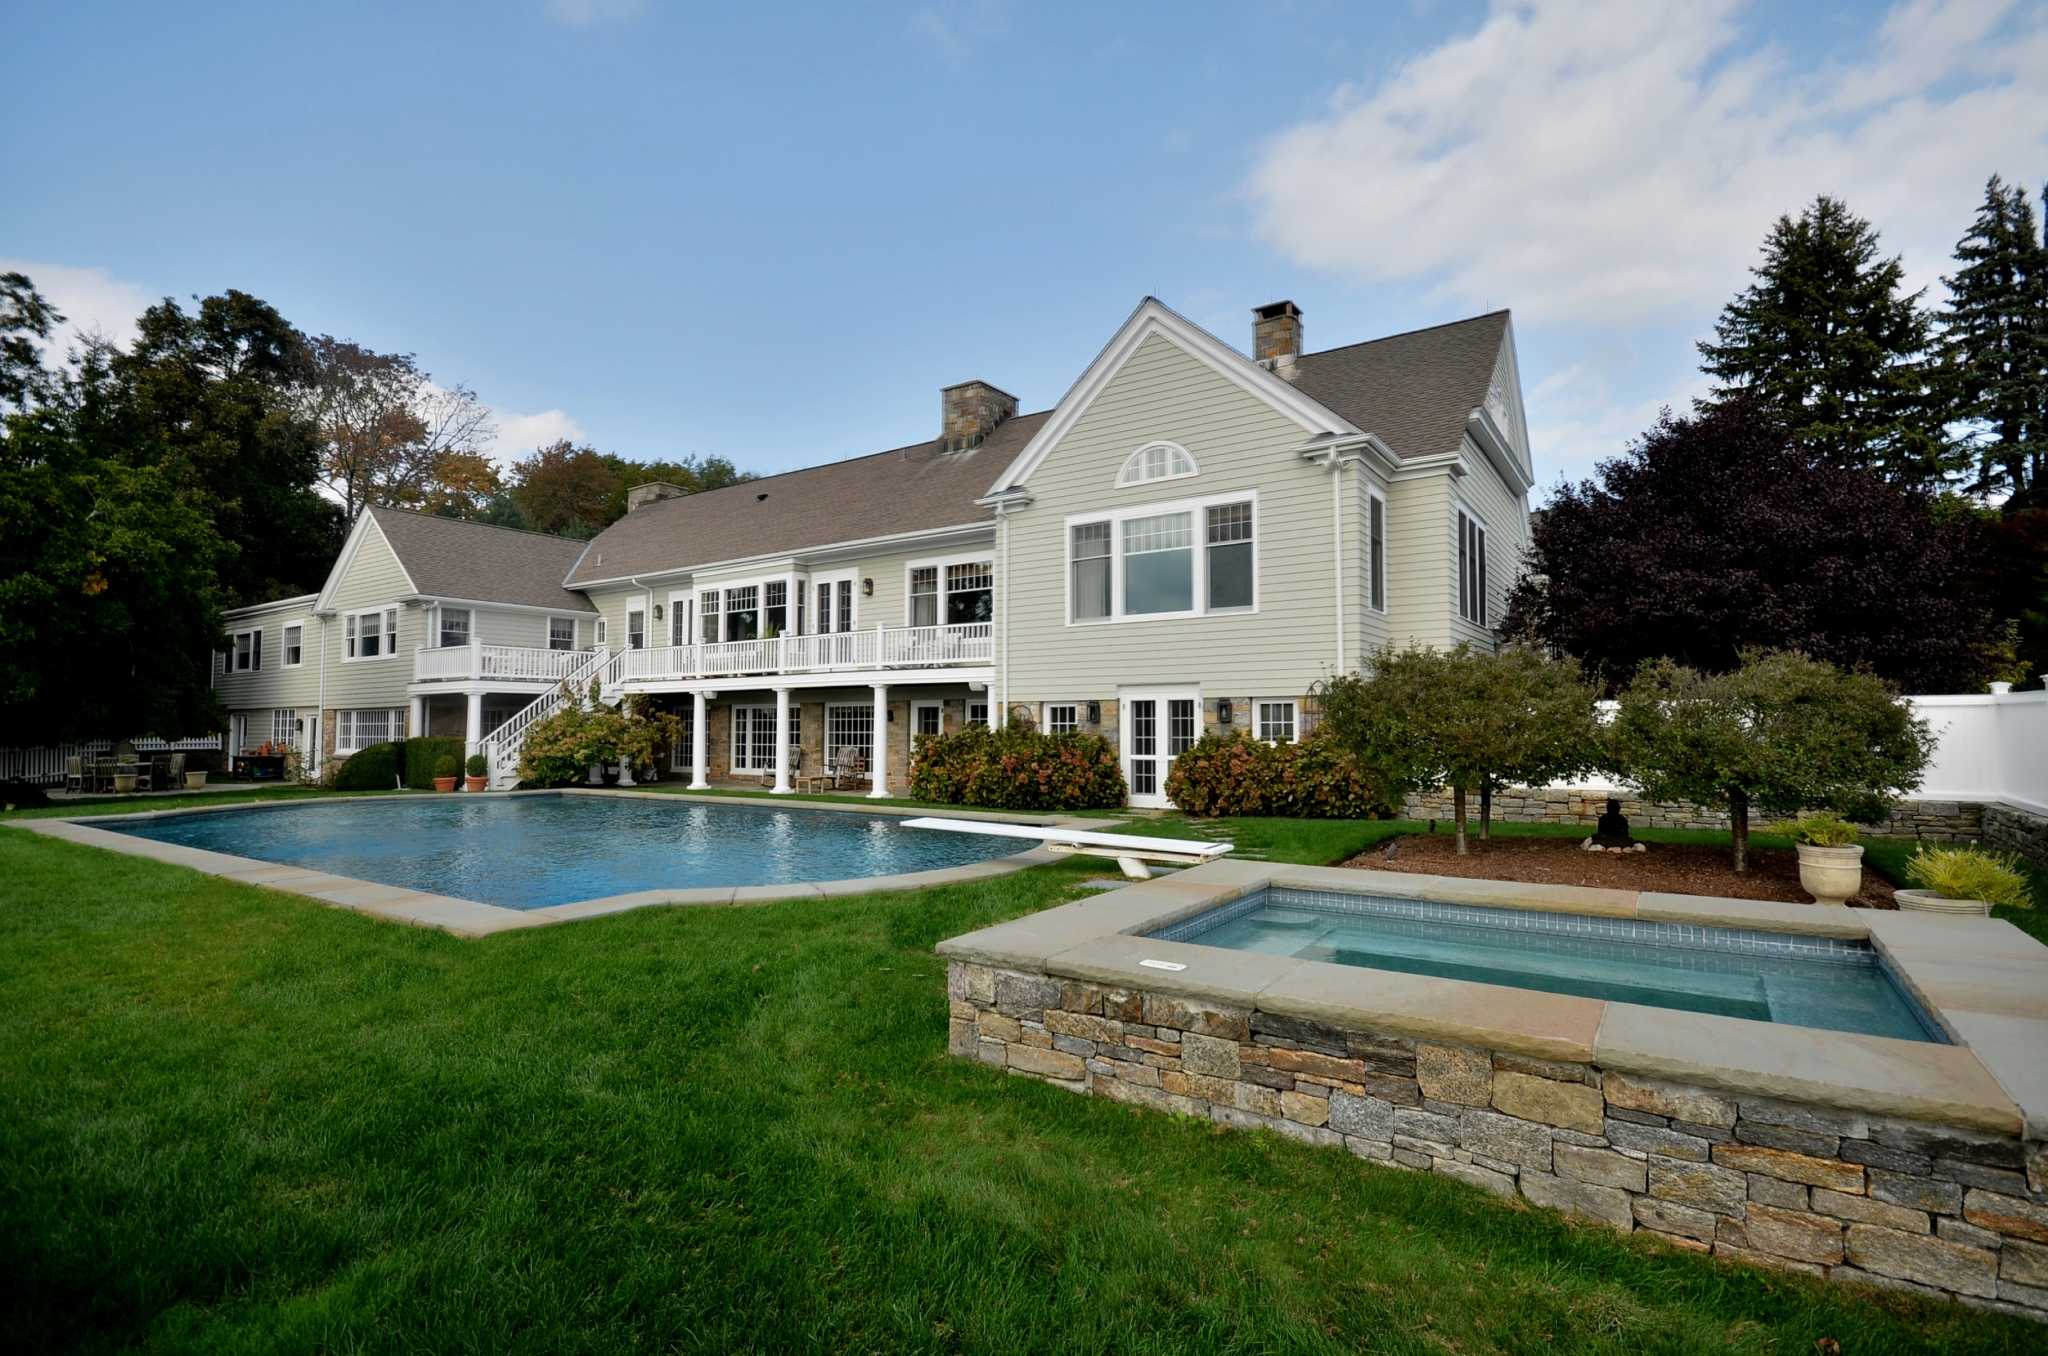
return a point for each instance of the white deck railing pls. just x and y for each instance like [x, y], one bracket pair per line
[503, 663]
[884, 647]
[501, 746]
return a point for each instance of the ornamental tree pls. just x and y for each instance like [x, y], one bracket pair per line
[1717, 532]
[1467, 719]
[1782, 733]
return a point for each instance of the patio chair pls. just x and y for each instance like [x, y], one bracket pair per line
[174, 771]
[74, 774]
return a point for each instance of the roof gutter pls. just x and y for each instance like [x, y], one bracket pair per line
[1368, 448]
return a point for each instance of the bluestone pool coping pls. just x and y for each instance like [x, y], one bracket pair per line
[1983, 980]
[472, 918]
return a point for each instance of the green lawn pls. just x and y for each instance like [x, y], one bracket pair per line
[231, 1120]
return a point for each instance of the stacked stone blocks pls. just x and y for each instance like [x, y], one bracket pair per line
[1935, 820]
[1854, 1197]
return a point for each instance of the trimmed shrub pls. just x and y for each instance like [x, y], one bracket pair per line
[1971, 873]
[371, 769]
[1017, 768]
[429, 756]
[478, 765]
[1237, 774]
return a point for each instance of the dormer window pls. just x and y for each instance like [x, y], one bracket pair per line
[1157, 461]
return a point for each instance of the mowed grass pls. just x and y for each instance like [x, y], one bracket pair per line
[231, 1120]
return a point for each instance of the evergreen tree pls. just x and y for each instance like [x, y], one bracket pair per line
[1825, 334]
[1995, 346]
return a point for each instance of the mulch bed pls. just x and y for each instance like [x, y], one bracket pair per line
[1676, 868]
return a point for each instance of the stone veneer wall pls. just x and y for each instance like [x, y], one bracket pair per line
[1855, 1197]
[1938, 820]
[2010, 830]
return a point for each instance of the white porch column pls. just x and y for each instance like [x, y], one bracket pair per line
[782, 786]
[700, 717]
[416, 718]
[473, 731]
[878, 757]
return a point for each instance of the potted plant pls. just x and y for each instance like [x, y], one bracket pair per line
[1965, 880]
[1830, 858]
[479, 768]
[444, 773]
[195, 779]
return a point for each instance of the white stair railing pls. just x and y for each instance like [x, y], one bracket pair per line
[501, 746]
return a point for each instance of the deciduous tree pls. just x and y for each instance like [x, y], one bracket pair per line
[389, 434]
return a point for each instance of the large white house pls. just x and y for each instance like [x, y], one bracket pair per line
[1189, 540]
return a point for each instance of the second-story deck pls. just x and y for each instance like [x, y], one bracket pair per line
[514, 666]
[880, 650]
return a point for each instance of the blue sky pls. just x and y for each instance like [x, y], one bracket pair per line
[774, 232]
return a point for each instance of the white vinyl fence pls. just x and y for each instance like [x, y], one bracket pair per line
[45, 765]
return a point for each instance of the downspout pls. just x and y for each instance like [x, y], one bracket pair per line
[320, 752]
[1003, 601]
[1337, 549]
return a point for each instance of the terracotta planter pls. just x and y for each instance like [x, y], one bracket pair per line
[1831, 874]
[195, 781]
[477, 783]
[1926, 901]
[444, 783]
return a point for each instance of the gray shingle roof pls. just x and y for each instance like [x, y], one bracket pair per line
[449, 558]
[1415, 389]
[910, 489]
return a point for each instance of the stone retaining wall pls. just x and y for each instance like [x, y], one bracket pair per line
[1901, 1204]
[1936, 820]
[2010, 830]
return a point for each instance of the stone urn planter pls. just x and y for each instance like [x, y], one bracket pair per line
[125, 783]
[195, 781]
[1926, 901]
[597, 774]
[1831, 874]
[444, 783]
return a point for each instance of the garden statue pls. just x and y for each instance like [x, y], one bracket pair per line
[1611, 833]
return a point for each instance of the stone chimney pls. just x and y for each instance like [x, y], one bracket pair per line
[1276, 335]
[969, 412]
[642, 495]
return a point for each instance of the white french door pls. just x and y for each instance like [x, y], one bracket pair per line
[1158, 725]
[926, 719]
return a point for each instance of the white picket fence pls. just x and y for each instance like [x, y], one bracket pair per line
[45, 765]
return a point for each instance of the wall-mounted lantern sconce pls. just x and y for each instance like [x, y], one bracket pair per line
[657, 611]
[867, 588]
[1223, 711]
[1095, 713]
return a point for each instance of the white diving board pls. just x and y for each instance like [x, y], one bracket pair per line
[1130, 850]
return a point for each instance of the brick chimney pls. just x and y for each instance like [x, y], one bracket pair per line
[1276, 335]
[654, 490]
[969, 412]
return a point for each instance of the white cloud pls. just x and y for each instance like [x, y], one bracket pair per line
[957, 28]
[91, 301]
[590, 13]
[1611, 161]
[519, 434]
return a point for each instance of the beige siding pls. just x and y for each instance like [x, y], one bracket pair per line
[373, 578]
[1371, 628]
[1240, 443]
[1506, 518]
[1422, 561]
[273, 685]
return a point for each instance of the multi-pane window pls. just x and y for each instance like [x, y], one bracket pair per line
[1277, 721]
[709, 617]
[1376, 550]
[370, 635]
[1471, 569]
[248, 651]
[970, 592]
[1159, 564]
[283, 724]
[1062, 717]
[636, 628]
[924, 596]
[845, 597]
[682, 758]
[1092, 571]
[294, 645]
[561, 633]
[775, 601]
[1156, 461]
[678, 621]
[356, 730]
[1230, 556]
[850, 733]
[925, 721]
[753, 736]
[977, 713]
[743, 612]
[454, 626]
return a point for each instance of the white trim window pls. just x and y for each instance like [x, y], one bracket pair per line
[977, 713]
[679, 618]
[355, 731]
[453, 626]
[604, 631]
[284, 723]
[774, 608]
[1278, 720]
[369, 634]
[927, 719]
[1157, 461]
[1062, 718]
[850, 731]
[730, 614]
[1376, 552]
[952, 592]
[636, 628]
[753, 736]
[1471, 569]
[682, 758]
[1193, 558]
[294, 644]
[561, 633]
[835, 602]
[246, 654]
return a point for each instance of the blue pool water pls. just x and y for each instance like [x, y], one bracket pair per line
[528, 852]
[1736, 972]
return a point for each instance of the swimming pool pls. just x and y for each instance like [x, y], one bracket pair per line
[532, 852]
[1835, 984]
